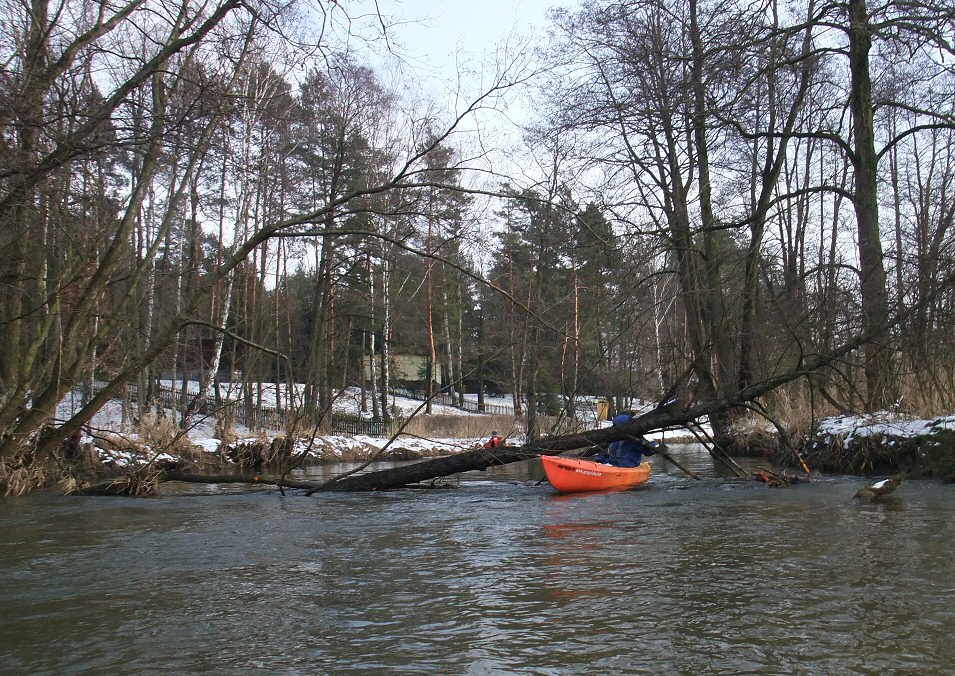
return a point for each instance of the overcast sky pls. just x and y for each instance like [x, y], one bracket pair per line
[447, 51]
[444, 27]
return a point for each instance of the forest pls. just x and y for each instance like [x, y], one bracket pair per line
[712, 201]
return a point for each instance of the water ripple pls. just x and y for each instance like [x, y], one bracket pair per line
[722, 577]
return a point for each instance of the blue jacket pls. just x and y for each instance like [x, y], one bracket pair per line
[626, 452]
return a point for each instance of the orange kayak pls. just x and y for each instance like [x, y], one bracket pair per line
[572, 475]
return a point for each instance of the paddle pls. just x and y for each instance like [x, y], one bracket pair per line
[666, 456]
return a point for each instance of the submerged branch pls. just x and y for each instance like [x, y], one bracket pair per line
[122, 486]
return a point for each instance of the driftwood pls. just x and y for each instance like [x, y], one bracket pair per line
[122, 485]
[879, 489]
[777, 479]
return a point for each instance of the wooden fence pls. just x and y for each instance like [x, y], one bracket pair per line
[445, 399]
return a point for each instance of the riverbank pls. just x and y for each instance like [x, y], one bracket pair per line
[879, 444]
[876, 444]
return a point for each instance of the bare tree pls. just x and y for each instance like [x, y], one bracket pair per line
[157, 112]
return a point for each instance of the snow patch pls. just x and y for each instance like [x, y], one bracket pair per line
[883, 423]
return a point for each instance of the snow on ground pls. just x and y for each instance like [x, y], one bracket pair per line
[202, 430]
[885, 423]
[347, 401]
[352, 446]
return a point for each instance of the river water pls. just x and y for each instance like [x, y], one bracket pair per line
[497, 576]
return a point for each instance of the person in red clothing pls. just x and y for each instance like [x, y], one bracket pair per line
[494, 441]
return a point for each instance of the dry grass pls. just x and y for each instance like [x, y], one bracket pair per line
[28, 472]
[17, 479]
[68, 484]
[463, 426]
[921, 395]
[160, 433]
[63, 467]
[755, 443]
[225, 426]
[253, 455]
[796, 410]
[928, 397]
[139, 482]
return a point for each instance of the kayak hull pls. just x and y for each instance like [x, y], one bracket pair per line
[573, 475]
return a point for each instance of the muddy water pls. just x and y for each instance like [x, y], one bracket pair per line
[497, 576]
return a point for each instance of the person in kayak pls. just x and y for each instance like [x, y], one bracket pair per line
[494, 441]
[626, 452]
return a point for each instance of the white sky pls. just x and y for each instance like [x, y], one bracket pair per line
[449, 51]
[436, 33]
[455, 47]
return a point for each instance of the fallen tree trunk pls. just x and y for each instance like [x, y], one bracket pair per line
[482, 458]
[663, 417]
[671, 414]
[396, 477]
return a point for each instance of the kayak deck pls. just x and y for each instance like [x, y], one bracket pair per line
[573, 475]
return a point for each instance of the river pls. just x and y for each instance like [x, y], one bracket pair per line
[497, 576]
